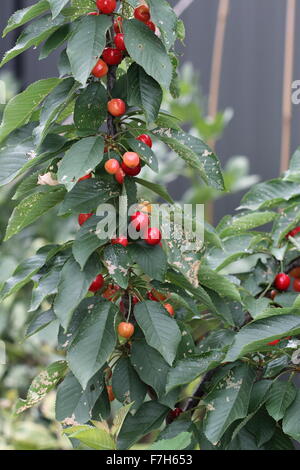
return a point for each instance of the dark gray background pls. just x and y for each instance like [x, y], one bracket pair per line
[252, 76]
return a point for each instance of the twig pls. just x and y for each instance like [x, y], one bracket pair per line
[287, 81]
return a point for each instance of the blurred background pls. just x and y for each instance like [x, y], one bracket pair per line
[239, 60]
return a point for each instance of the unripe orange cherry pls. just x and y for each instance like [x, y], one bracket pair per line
[126, 330]
[170, 309]
[110, 393]
[116, 107]
[112, 166]
[100, 69]
[131, 159]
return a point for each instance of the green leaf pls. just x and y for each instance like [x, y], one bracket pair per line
[256, 335]
[160, 330]
[156, 188]
[288, 219]
[80, 160]
[94, 342]
[117, 262]
[47, 285]
[86, 241]
[150, 366]
[40, 321]
[120, 418]
[163, 15]
[94, 438]
[21, 17]
[54, 41]
[73, 402]
[33, 35]
[228, 402]
[243, 223]
[90, 109]
[13, 158]
[56, 6]
[291, 422]
[269, 194]
[218, 283]
[189, 369]
[73, 287]
[31, 208]
[151, 259]
[180, 442]
[148, 418]
[293, 172]
[145, 48]
[86, 44]
[144, 152]
[87, 195]
[42, 385]
[280, 397]
[19, 109]
[127, 386]
[144, 92]
[195, 152]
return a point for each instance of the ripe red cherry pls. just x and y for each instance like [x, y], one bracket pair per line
[295, 272]
[116, 107]
[110, 292]
[135, 300]
[145, 139]
[97, 284]
[142, 13]
[273, 343]
[82, 218]
[282, 281]
[131, 159]
[112, 166]
[126, 330]
[293, 232]
[296, 285]
[151, 25]
[93, 13]
[131, 171]
[112, 56]
[140, 221]
[107, 6]
[153, 236]
[120, 176]
[118, 24]
[100, 69]
[86, 177]
[119, 42]
[122, 240]
[170, 309]
[151, 296]
[176, 412]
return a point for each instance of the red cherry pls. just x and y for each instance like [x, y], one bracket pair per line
[118, 24]
[153, 236]
[151, 25]
[110, 292]
[86, 177]
[170, 309]
[122, 240]
[176, 412]
[107, 6]
[145, 139]
[112, 56]
[131, 171]
[135, 300]
[119, 42]
[97, 284]
[140, 221]
[273, 343]
[142, 13]
[282, 281]
[296, 285]
[120, 175]
[116, 107]
[131, 159]
[293, 232]
[112, 166]
[151, 296]
[100, 69]
[93, 13]
[82, 218]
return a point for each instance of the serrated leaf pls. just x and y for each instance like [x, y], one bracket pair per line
[269, 194]
[161, 331]
[56, 6]
[144, 152]
[144, 92]
[42, 385]
[151, 259]
[147, 50]
[20, 108]
[54, 41]
[90, 108]
[291, 422]
[280, 397]
[31, 208]
[247, 222]
[93, 343]
[86, 45]
[127, 386]
[40, 321]
[156, 188]
[47, 285]
[180, 442]
[163, 15]
[13, 158]
[21, 17]
[94, 438]
[86, 241]
[80, 160]
[218, 283]
[117, 262]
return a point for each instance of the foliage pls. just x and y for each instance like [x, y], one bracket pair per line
[219, 346]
